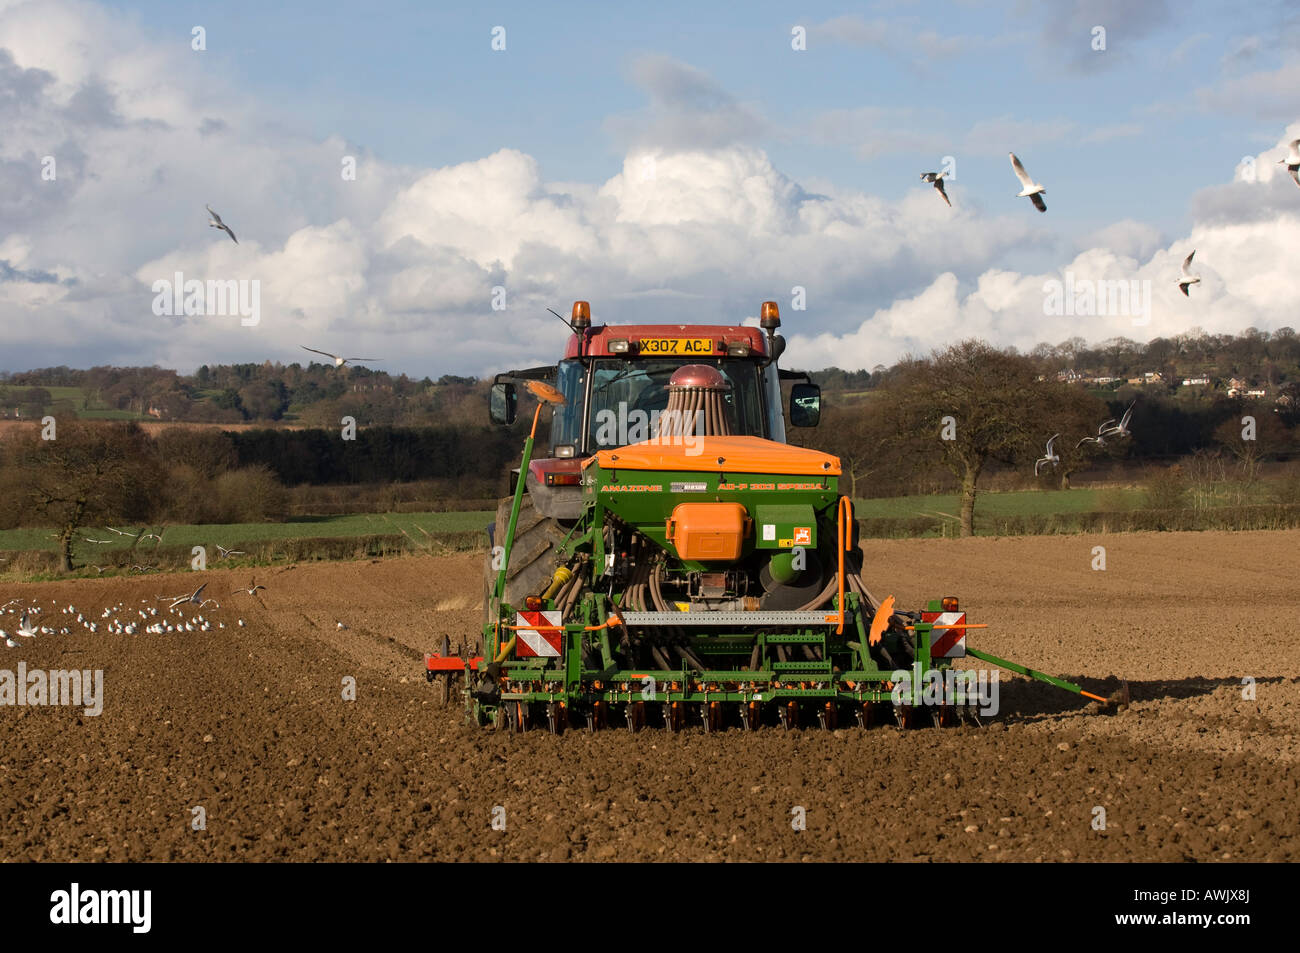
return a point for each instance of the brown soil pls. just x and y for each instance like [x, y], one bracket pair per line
[250, 724]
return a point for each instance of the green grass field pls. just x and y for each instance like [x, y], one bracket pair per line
[1023, 503]
[94, 412]
[234, 535]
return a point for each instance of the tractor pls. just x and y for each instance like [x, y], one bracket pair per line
[670, 560]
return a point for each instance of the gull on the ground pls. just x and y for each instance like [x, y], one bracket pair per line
[1188, 279]
[216, 222]
[1051, 458]
[937, 179]
[1030, 188]
[25, 627]
[1292, 160]
[338, 361]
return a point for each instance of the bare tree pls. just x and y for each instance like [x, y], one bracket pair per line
[88, 473]
[973, 405]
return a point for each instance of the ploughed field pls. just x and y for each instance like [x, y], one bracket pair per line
[250, 724]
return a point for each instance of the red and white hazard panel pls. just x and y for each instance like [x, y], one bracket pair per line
[539, 642]
[946, 643]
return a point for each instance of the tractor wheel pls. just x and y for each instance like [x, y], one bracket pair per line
[532, 560]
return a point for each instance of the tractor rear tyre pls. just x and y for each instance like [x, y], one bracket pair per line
[532, 556]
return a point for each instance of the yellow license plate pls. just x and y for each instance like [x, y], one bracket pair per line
[676, 346]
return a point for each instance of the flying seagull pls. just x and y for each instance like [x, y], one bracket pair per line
[192, 597]
[937, 179]
[1188, 278]
[1051, 458]
[1032, 189]
[251, 590]
[120, 533]
[1099, 439]
[339, 361]
[1292, 160]
[216, 222]
[1120, 429]
[225, 553]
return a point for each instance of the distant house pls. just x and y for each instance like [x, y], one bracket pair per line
[1257, 393]
[1136, 381]
[1152, 377]
[1196, 382]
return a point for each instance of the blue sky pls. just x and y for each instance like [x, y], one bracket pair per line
[1138, 146]
[417, 83]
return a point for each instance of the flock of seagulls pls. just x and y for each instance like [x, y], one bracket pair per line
[118, 619]
[1109, 430]
[121, 619]
[1034, 191]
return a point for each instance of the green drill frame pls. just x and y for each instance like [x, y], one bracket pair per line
[844, 675]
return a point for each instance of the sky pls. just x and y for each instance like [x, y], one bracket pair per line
[418, 183]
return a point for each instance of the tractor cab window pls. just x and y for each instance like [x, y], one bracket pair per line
[566, 425]
[628, 395]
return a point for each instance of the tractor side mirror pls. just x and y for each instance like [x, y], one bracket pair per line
[805, 405]
[503, 403]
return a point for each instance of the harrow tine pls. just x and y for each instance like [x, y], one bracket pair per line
[635, 714]
[554, 713]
